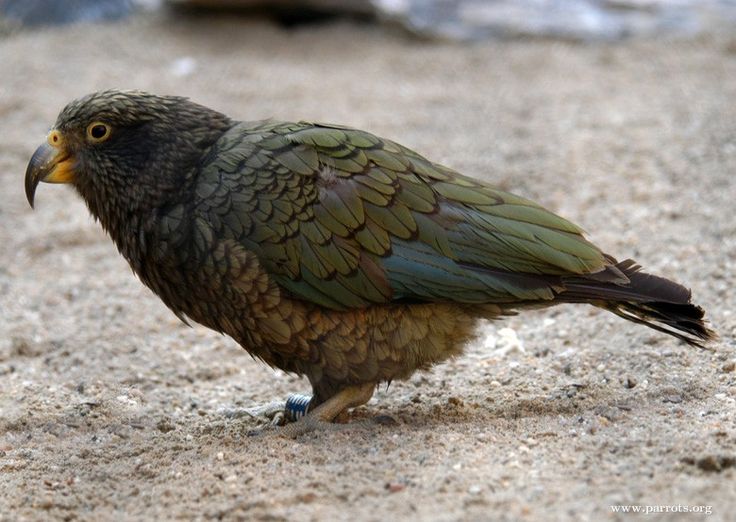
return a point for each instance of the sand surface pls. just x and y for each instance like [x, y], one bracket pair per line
[111, 409]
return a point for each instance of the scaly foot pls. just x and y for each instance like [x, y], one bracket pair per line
[322, 416]
[297, 416]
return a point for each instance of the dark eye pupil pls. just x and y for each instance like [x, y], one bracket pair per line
[98, 131]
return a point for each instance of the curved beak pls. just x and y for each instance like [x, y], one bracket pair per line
[49, 164]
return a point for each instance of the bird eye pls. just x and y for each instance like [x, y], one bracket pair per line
[98, 132]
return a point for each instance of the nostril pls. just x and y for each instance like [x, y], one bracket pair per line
[54, 138]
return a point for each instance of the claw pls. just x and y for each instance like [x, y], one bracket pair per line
[263, 429]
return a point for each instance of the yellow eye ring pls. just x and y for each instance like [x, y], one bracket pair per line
[98, 132]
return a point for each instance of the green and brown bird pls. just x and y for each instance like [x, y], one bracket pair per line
[327, 251]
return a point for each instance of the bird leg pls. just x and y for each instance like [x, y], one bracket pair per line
[297, 416]
[323, 415]
[275, 413]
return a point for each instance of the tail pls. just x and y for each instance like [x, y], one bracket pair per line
[643, 298]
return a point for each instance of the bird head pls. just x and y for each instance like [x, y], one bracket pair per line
[124, 150]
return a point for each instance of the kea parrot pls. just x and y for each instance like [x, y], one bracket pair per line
[327, 251]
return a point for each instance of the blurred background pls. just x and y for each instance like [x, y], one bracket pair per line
[617, 114]
[451, 19]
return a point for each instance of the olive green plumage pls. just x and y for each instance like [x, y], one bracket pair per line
[329, 251]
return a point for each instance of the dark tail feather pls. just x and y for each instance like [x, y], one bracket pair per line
[646, 299]
[668, 318]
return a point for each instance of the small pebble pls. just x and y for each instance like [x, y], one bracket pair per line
[307, 498]
[385, 420]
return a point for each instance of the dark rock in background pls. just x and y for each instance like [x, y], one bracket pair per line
[481, 19]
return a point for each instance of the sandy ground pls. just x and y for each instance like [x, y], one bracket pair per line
[110, 409]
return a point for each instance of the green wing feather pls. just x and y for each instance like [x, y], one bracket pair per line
[345, 219]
